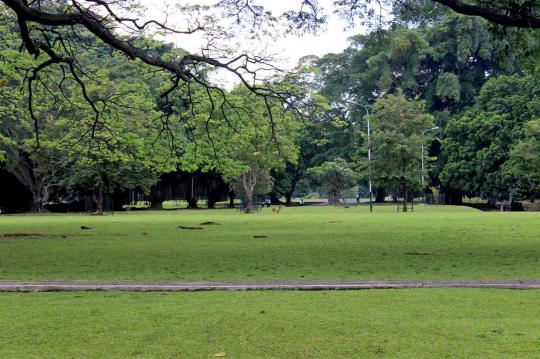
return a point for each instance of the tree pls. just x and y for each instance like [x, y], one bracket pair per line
[51, 32]
[334, 177]
[322, 136]
[522, 170]
[478, 142]
[18, 154]
[67, 146]
[444, 60]
[241, 142]
[396, 143]
[124, 150]
[476, 145]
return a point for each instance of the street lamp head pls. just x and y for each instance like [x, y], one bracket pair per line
[429, 129]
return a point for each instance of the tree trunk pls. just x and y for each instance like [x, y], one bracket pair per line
[454, 197]
[249, 181]
[156, 204]
[249, 204]
[274, 198]
[231, 199]
[288, 200]
[192, 203]
[37, 199]
[333, 198]
[405, 197]
[26, 174]
[99, 201]
[380, 195]
[212, 198]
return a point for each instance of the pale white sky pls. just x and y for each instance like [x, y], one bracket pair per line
[288, 49]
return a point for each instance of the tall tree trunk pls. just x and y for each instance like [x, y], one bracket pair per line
[37, 198]
[249, 180]
[249, 203]
[288, 197]
[25, 172]
[157, 196]
[333, 198]
[453, 196]
[99, 200]
[405, 197]
[231, 199]
[274, 199]
[380, 195]
[192, 203]
[156, 204]
[212, 198]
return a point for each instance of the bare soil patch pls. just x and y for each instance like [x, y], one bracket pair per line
[17, 235]
[211, 223]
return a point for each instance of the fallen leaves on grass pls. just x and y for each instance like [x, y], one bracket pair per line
[190, 228]
[220, 354]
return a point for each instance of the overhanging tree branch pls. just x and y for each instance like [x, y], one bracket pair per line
[514, 14]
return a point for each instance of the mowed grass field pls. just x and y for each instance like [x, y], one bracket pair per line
[420, 323]
[301, 243]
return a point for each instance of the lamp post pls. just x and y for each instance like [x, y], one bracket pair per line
[423, 166]
[369, 149]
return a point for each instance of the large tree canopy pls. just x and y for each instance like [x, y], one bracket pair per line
[479, 141]
[48, 29]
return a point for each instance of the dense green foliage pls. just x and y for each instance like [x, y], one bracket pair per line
[399, 126]
[99, 138]
[123, 128]
[523, 167]
[334, 177]
[473, 84]
[478, 142]
[64, 140]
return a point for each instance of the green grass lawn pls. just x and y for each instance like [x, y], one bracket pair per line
[420, 323]
[302, 243]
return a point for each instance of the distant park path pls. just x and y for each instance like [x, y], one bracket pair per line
[178, 286]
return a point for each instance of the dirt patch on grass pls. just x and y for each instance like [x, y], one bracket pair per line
[210, 224]
[18, 235]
